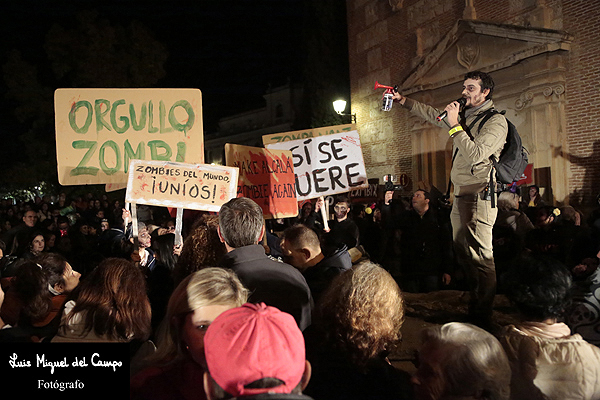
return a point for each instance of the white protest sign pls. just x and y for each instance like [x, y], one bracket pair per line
[179, 185]
[326, 165]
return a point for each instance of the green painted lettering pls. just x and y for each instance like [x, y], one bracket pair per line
[88, 120]
[81, 168]
[161, 115]
[100, 122]
[138, 126]
[180, 152]
[123, 119]
[159, 144]
[151, 129]
[190, 112]
[105, 168]
[129, 154]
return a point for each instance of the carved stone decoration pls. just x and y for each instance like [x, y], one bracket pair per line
[524, 100]
[557, 90]
[469, 11]
[468, 52]
[396, 4]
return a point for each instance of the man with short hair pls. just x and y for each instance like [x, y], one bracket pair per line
[472, 213]
[17, 238]
[343, 231]
[255, 351]
[301, 248]
[241, 228]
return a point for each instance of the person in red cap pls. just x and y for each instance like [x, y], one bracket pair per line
[255, 351]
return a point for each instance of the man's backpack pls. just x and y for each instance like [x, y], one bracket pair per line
[513, 158]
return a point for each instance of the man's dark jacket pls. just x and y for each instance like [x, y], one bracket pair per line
[275, 283]
[320, 275]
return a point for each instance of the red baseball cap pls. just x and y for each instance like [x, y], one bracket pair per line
[252, 342]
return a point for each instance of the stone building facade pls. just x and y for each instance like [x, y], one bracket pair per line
[544, 60]
[282, 104]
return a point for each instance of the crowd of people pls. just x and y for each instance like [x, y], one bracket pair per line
[306, 307]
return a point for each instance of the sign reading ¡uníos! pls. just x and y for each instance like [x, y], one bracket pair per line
[326, 165]
[179, 185]
[98, 131]
[267, 177]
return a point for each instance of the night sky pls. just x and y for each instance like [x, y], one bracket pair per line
[233, 51]
[230, 50]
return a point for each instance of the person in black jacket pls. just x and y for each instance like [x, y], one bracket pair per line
[301, 249]
[425, 247]
[241, 228]
[342, 231]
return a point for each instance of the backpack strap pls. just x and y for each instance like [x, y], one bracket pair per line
[489, 113]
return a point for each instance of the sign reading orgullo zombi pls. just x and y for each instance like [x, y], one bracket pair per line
[99, 131]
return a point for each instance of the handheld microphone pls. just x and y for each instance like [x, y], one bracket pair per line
[462, 101]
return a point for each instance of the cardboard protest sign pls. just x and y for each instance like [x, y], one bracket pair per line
[326, 165]
[267, 177]
[303, 134]
[178, 185]
[98, 131]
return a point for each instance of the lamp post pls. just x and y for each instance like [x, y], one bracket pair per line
[339, 106]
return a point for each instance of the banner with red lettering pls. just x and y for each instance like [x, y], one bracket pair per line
[179, 185]
[265, 176]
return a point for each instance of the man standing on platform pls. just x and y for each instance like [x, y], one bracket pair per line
[472, 214]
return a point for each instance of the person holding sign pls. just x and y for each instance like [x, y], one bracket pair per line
[241, 228]
[343, 232]
[472, 214]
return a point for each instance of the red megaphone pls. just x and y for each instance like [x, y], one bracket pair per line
[379, 86]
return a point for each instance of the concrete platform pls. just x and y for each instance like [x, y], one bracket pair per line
[437, 308]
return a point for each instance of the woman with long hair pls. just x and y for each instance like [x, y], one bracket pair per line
[202, 248]
[35, 296]
[111, 305]
[35, 246]
[175, 370]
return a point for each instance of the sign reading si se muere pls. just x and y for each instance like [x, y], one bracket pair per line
[326, 165]
[178, 185]
[98, 131]
[267, 177]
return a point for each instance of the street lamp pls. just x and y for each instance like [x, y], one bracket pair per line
[339, 106]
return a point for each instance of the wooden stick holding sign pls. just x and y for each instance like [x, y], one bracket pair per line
[178, 226]
[324, 213]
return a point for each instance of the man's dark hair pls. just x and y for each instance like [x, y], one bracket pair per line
[486, 81]
[342, 199]
[240, 222]
[220, 394]
[300, 235]
[539, 286]
[426, 194]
